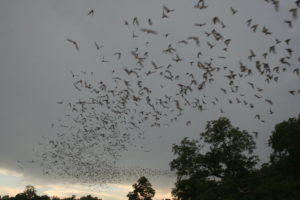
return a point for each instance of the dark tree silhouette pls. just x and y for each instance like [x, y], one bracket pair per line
[142, 190]
[280, 178]
[28, 194]
[223, 172]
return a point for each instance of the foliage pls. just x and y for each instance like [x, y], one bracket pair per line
[285, 142]
[142, 190]
[280, 178]
[88, 197]
[30, 192]
[224, 170]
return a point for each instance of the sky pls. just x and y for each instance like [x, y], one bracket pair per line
[37, 62]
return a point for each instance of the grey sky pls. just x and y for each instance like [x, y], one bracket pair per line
[36, 59]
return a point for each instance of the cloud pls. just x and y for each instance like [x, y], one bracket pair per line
[8, 172]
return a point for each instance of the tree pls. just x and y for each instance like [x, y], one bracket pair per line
[142, 190]
[89, 197]
[43, 197]
[285, 142]
[5, 197]
[224, 171]
[20, 196]
[280, 178]
[73, 197]
[55, 198]
[30, 192]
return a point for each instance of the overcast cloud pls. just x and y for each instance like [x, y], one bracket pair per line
[36, 59]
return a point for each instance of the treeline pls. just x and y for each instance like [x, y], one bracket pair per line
[30, 194]
[221, 165]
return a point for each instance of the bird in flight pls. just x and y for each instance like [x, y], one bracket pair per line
[149, 31]
[167, 9]
[73, 42]
[233, 11]
[294, 12]
[289, 23]
[199, 24]
[97, 45]
[91, 12]
[150, 22]
[135, 21]
[164, 15]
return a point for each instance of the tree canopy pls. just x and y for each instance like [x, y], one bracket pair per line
[223, 170]
[142, 190]
[30, 193]
[280, 178]
[221, 164]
